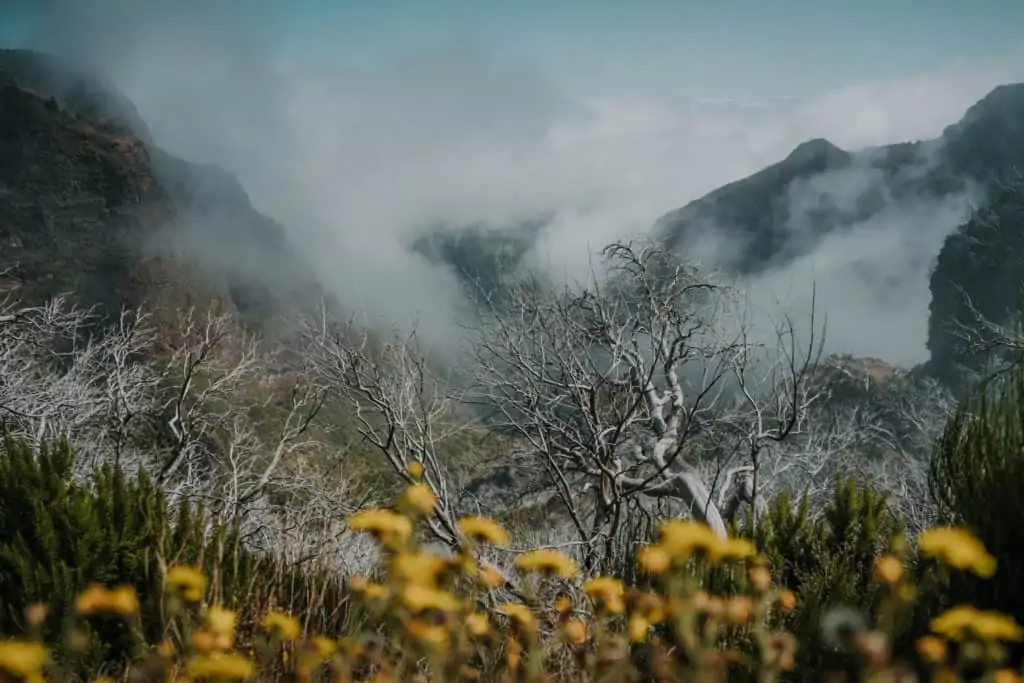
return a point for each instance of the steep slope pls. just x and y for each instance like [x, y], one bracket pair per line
[90, 206]
[981, 265]
[785, 210]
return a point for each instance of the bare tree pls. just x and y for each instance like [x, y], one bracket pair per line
[402, 409]
[239, 435]
[621, 387]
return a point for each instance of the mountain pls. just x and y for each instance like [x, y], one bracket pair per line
[89, 205]
[980, 266]
[784, 211]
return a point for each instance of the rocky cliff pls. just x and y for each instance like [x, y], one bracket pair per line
[89, 205]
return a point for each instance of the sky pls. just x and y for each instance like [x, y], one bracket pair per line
[357, 124]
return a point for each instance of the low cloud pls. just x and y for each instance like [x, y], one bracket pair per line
[357, 158]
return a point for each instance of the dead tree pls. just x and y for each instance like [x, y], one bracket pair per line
[622, 387]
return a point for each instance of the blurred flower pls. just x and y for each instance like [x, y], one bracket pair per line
[387, 526]
[957, 548]
[547, 561]
[483, 530]
[607, 593]
[221, 665]
[888, 569]
[653, 559]
[957, 622]
[420, 499]
[22, 658]
[189, 580]
[284, 626]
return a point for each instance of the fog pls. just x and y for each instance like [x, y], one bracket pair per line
[356, 159]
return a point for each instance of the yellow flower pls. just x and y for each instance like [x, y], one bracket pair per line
[787, 600]
[575, 631]
[420, 499]
[739, 609]
[888, 569]
[638, 628]
[519, 613]
[477, 624]
[22, 658]
[483, 530]
[431, 635]
[419, 598]
[491, 577]
[92, 600]
[418, 567]
[221, 665]
[284, 626]
[547, 561]
[376, 592]
[730, 549]
[189, 580]
[319, 649]
[607, 592]
[97, 599]
[958, 548]
[124, 601]
[221, 624]
[1005, 676]
[415, 469]
[931, 649]
[387, 526]
[653, 559]
[563, 605]
[369, 590]
[760, 578]
[957, 622]
[647, 605]
[682, 538]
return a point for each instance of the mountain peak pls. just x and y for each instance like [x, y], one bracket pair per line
[1003, 101]
[816, 150]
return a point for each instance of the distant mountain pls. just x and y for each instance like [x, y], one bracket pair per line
[784, 211]
[89, 205]
[484, 258]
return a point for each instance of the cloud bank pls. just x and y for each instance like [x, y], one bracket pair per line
[356, 158]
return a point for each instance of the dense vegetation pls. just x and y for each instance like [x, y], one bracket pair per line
[846, 590]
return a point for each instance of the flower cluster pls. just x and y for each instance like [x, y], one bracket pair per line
[430, 615]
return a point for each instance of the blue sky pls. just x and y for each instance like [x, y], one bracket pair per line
[704, 48]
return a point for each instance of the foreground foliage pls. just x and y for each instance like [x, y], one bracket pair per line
[59, 535]
[453, 616]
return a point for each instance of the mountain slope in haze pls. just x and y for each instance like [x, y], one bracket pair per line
[980, 270]
[89, 206]
[785, 210]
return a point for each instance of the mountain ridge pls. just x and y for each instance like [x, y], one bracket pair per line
[90, 204]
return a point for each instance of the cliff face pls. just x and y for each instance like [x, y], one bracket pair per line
[981, 265]
[90, 206]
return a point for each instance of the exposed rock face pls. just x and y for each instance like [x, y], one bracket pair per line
[981, 263]
[89, 206]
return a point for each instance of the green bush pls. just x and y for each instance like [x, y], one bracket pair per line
[976, 478]
[828, 561]
[58, 535]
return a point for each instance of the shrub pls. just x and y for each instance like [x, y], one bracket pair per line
[58, 536]
[447, 617]
[976, 478]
